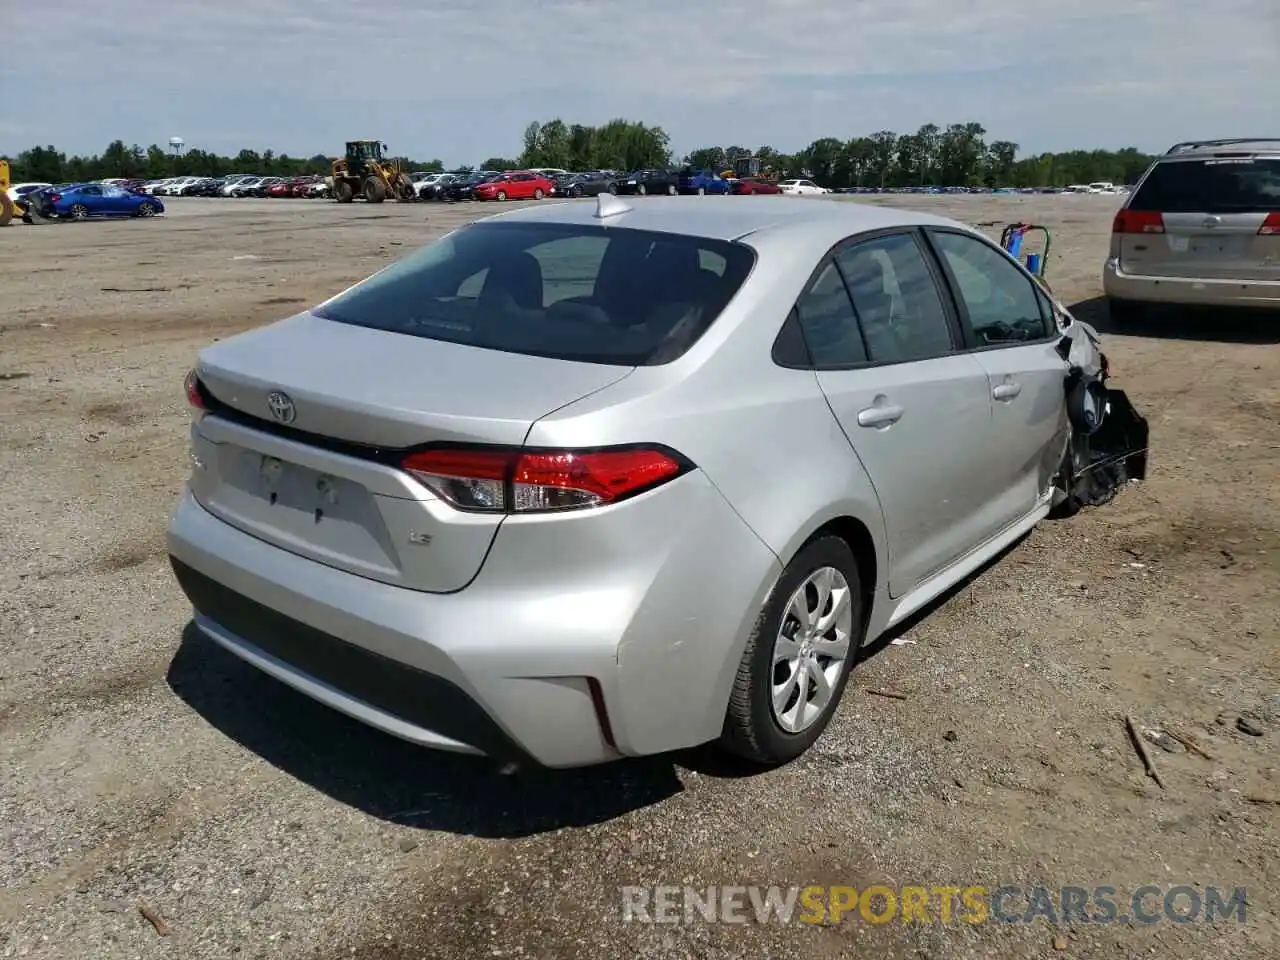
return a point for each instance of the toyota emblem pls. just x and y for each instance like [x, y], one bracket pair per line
[281, 407]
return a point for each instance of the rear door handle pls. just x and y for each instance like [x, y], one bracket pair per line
[879, 416]
[1006, 391]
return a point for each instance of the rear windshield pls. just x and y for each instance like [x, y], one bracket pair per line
[589, 293]
[1211, 186]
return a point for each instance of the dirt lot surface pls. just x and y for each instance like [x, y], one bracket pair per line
[140, 765]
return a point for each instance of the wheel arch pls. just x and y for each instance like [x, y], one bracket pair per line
[862, 543]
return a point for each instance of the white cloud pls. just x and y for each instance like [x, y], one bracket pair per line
[461, 81]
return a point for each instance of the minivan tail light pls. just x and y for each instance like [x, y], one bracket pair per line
[1137, 221]
[1270, 226]
[536, 481]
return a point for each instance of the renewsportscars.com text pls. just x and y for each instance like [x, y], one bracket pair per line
[973, 904]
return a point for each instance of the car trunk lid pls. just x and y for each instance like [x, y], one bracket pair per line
[308, 418]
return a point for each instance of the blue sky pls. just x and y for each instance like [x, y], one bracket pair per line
[460, 82]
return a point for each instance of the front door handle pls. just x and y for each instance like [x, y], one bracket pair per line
[880, 416]
[1006, 391]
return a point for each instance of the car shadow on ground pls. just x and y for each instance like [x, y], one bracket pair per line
[1184, 323]
[393, 780]
[401, 783]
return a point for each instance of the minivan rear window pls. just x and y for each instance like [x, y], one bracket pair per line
[576, 292]
[1246, 185]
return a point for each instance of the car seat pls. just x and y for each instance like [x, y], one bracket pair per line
[513, 282]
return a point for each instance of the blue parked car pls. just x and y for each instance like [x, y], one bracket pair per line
[80, 201]
[702, 181]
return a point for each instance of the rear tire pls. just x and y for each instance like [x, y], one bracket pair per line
[79, 211]
[1125, 313]
[671, 190]
[343, 192]
[502, 194]
[537, 194]
[753, 726]
[702, 191]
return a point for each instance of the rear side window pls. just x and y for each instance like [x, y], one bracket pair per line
[830, 327]
[1250, 185]
[897, 302]
[587, 293]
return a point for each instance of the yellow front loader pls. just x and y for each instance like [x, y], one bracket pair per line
[7, 208]
[364, 172]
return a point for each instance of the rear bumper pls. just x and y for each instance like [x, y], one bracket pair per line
[557, 653]
[1117, 284]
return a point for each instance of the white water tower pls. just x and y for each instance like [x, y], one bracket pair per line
[176, 145]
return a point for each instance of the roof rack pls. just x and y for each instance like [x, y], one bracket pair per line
[1231, 141]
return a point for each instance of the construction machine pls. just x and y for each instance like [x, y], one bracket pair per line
[7, 208]
[364, 172]
[753, 168]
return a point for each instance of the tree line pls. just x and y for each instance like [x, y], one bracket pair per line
[956, 155]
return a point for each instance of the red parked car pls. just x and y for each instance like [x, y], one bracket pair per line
[752, 185]
[300, 185]
[516, 185]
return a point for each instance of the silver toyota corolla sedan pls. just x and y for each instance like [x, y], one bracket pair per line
[591, 480]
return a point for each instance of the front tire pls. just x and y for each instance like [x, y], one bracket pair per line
[375, 191]
[798, 658]
[145, 209]
[502, 194]
[537, 194]
[671, 190]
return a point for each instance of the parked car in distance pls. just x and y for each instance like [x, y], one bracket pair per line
[18, 191]
[82, 201]
[650, 181]
[750, 186]
[680, 461]
[462, 187]
[245, 187]
[423, 183]
[801, 188]
[590, 184]
[434, 189]
[1202, 228]
[233, 181]
[514, 185]
[701, 182]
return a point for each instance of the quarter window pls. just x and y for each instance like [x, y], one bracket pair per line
[998, 296]
[828, 321]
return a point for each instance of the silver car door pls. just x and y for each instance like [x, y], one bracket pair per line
[1010, 328]
[915, 410]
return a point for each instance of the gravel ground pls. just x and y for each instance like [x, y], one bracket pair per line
[139, 765]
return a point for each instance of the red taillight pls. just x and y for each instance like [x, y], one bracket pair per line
[194, 396]
[514, 481]
[55, 197]
[1137, 221]
[1270, 226]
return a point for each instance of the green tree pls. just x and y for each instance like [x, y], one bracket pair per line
[955, 155]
